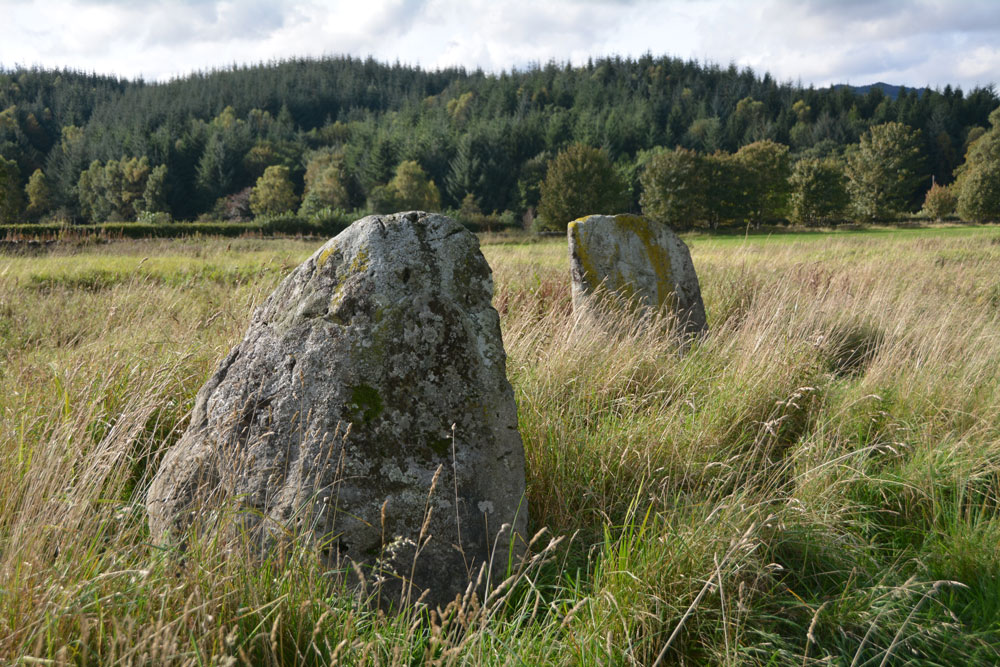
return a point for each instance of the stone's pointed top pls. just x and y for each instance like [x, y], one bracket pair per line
[370, 387]
[641, 263]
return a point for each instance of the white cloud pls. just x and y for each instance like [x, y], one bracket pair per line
[929, 42]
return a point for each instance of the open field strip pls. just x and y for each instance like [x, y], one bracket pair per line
[816, 482]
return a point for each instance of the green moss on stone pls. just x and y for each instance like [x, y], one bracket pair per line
[441, 446]
[367, 402]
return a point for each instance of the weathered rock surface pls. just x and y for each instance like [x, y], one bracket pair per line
[641, 263]
[334, 414]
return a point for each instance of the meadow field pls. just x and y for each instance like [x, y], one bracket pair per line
[815, 482]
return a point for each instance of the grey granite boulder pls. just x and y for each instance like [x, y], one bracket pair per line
[370, 391]
[636, 262]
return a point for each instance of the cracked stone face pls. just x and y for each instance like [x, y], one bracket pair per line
[627, 259]
[369, 390]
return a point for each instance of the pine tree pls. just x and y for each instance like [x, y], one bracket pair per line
[883, 171]
[465, 172]
[154, 193]
[11, 202]
[216, 173]
[134, 180]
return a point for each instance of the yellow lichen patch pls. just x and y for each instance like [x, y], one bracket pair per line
[659, 258]
[617, 282]
[325, 255]
[358, 265]
[360, 261]
[589, 271]
[338, 296]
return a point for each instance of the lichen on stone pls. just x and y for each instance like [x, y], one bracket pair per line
[636, 264]
[324, 255]
[395, 348]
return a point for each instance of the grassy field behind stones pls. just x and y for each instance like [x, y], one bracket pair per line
[817, 482]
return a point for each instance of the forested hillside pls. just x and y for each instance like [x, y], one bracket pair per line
[343, 134]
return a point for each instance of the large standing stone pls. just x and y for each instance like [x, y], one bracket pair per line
[335, 413]
[642, 263]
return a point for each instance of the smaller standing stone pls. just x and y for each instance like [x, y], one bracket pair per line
[642, 263]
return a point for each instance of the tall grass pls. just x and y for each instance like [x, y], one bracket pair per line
[817, 481]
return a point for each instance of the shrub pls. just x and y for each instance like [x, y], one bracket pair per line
[235, 207]
[979, 194]
[939, 203]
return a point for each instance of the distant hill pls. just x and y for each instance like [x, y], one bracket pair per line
[891, 91]
[472, 133]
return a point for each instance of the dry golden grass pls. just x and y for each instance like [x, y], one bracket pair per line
[815, 482]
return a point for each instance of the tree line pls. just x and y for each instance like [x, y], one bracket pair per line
[875, 179]
[322, 137]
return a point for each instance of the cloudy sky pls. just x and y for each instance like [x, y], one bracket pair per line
[909, 42]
